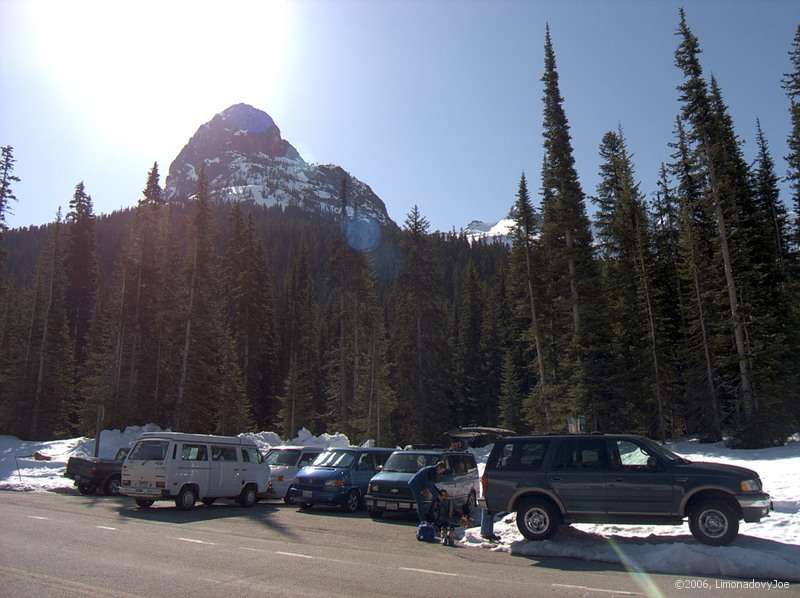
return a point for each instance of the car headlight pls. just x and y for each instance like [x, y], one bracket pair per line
[750, 486]
[371, 488]
[335, 483]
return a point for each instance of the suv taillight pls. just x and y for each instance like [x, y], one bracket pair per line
[484, 483]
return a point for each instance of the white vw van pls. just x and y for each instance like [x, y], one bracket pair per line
[191, 467]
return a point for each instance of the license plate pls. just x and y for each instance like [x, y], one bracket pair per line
[391, 506]
[307, 494]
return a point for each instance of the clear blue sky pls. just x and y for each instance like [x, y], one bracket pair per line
[430, 102]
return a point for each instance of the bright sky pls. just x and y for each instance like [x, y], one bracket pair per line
[430, 102]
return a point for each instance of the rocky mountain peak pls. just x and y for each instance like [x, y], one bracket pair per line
[246, 159]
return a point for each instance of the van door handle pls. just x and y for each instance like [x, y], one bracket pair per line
[556, 479]
[235, 469]
[619, 480]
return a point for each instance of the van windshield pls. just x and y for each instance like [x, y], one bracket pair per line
[149, 450]
[409, 462]
[282, 456]
[341, 459]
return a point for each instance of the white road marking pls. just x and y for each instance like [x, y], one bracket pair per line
[588, 589]
[429, 571]
[193, 541]
[37, 517]
[302, 556]
[111, 529]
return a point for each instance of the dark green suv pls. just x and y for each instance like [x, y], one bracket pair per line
[616, 478]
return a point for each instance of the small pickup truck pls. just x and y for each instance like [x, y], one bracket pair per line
[91, 473]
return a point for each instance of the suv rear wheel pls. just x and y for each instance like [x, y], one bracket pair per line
[537, 519]
[713, 522]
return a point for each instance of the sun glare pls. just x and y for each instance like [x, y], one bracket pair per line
[149, 72]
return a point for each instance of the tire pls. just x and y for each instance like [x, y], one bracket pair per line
[208, 501]
[537, 519]
[248, 497]
[186, 499]
[112, 485]
[376, 514]
[86, 489]
[144, 503]
[713, 522]
[288, 499]
[352, 501]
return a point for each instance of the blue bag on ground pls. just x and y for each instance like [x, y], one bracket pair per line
[426, 532]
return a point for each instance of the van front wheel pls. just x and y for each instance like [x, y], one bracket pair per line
[248, 497]
[352, 501]
[186, 499]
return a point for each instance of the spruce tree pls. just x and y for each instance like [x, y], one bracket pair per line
[298, 349]
[419, 339]
[791, 84]
[82, 270]
[625, 250]
[6, 193]
[572, 293]
[250, 313]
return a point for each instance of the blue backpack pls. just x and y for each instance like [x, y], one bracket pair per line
[426, 532]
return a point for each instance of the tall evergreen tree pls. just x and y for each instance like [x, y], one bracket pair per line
[82, 270]
[250, 313]
[745, 246]
[298, 349]
[6, 193]
[419, 339]
[468, 355]
[791, 84]
[572, 279]
[627, 268]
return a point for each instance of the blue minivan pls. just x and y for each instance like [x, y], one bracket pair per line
[338, 476]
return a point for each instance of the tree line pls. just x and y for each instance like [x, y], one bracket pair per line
[679, 314]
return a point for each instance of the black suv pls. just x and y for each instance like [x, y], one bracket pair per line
[615, 478]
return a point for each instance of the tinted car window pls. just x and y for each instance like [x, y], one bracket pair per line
[522, 455]
[403, 462]
[581, 454]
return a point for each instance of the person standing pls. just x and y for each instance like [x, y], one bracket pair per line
[423, 481]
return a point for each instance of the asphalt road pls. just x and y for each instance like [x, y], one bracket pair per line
[64, 545]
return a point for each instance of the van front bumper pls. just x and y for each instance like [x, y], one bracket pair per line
[386, 503]
[318, 496]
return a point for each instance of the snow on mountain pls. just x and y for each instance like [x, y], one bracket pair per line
[246, 159]
[490, 231]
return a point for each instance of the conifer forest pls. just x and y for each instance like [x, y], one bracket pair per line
[664, 311]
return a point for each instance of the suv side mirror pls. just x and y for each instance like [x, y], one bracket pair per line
[652, 463]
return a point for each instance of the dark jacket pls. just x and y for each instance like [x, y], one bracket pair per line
[424, 479]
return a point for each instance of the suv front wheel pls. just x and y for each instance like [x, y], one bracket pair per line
[713, 522]
[537, 519]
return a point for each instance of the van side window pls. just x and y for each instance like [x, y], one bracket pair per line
[223, 453]
[366, 462]
[251, 455]
[194, 452]
[308, 457]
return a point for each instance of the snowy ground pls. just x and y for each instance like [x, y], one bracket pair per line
[769, 550]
